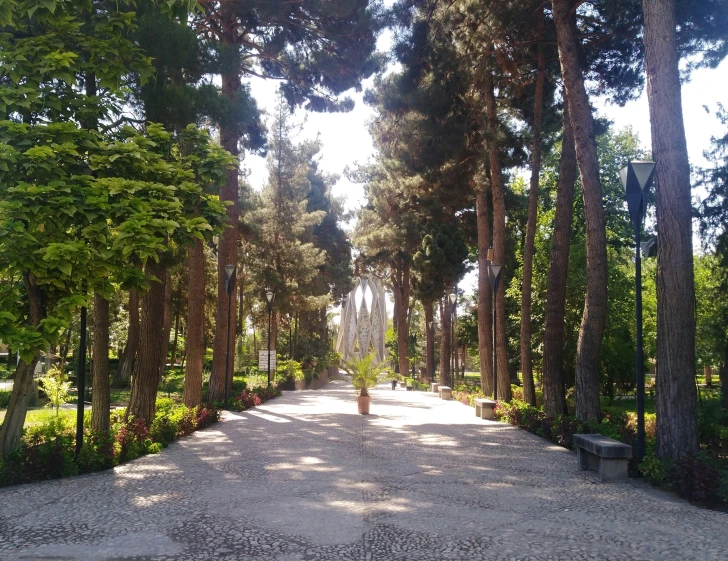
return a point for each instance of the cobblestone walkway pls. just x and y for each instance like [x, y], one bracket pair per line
[306, 478]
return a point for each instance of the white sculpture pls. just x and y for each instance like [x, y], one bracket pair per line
[363, 321]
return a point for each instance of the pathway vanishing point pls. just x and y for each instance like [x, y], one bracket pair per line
[305, 478]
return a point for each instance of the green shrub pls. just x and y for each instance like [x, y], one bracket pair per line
[154, 448]
[164, 405]
[654, 469]
[4, 399]
[163, 430]
[289, 371]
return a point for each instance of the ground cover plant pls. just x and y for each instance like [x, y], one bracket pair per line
[703, 479]
[47, 449]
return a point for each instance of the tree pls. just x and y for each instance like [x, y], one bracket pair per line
[677, 414]
[712, 277]
[437, 265]
[595, 306]
[281, 228]
[554, 332]
[319, 49]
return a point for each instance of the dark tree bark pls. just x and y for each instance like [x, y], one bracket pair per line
[485, 332]
[128, 357]
[63, 350]
[12, 427]
[195, 324]
[401, 287]
[676, 408]
[553, 337]
[100, 398]
[429, 342]
[167, 321]
[595, 306]
[445, 347]
[147, 374]
[529, 389]
[499, 238]
[173, 358]
[228, 248]
[723, 376]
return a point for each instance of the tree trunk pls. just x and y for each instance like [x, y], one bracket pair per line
[128, 357]
[499, 238]
[173, 358]
[228, 248]
[195, 324]
[144, 383]
[595, 306]
[429, 341]
[485, 333]
[400, 277]
[167, 321]
[676, 407]
[12, 427]
[529, 389]
[445, 346]
[554, 396]
[402, 324]
[723, 376]
[100, 398]
[456, 363]
[63, 350]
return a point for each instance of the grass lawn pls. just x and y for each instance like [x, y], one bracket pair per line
[40, 416]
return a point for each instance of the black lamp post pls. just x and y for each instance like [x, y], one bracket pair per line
[494, 275]
[229, 288]
[636, 178]
[269, 296]
[453, 303]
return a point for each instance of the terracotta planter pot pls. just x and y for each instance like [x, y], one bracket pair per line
[363, 403]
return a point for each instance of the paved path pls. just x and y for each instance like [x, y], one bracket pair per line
[306, 478]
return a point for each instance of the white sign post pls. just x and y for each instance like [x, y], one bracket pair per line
[263, 357]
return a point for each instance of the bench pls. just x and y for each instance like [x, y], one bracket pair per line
[434, 387]
[445, 392]
[608, 457]
[484, 408]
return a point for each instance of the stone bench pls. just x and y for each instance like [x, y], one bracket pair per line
[445, 392]
[434, 387]
[608, 457]
[484, 408]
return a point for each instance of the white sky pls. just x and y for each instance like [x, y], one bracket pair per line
[346, 140]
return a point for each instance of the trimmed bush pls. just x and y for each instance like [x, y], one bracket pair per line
[47, 450]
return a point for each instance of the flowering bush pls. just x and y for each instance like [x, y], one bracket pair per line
[47, 451]
[697, 479]
[252, 398]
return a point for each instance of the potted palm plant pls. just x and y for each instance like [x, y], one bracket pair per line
[364, 372]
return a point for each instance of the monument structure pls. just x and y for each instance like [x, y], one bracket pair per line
[363, 321]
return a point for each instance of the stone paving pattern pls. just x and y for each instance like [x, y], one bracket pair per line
[305, 478]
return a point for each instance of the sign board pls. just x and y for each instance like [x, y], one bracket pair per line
[263, 361]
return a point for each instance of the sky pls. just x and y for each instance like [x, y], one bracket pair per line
[346, 139]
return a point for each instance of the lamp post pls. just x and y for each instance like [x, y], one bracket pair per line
[494, 276]
[269, 297]
[453, 303]
[636, 178]
[229, 288]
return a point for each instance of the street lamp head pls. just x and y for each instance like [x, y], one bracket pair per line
[494, 275]
[269, 296]
[453, 298]
[431, 324]
[636, 178]
[229, 272]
